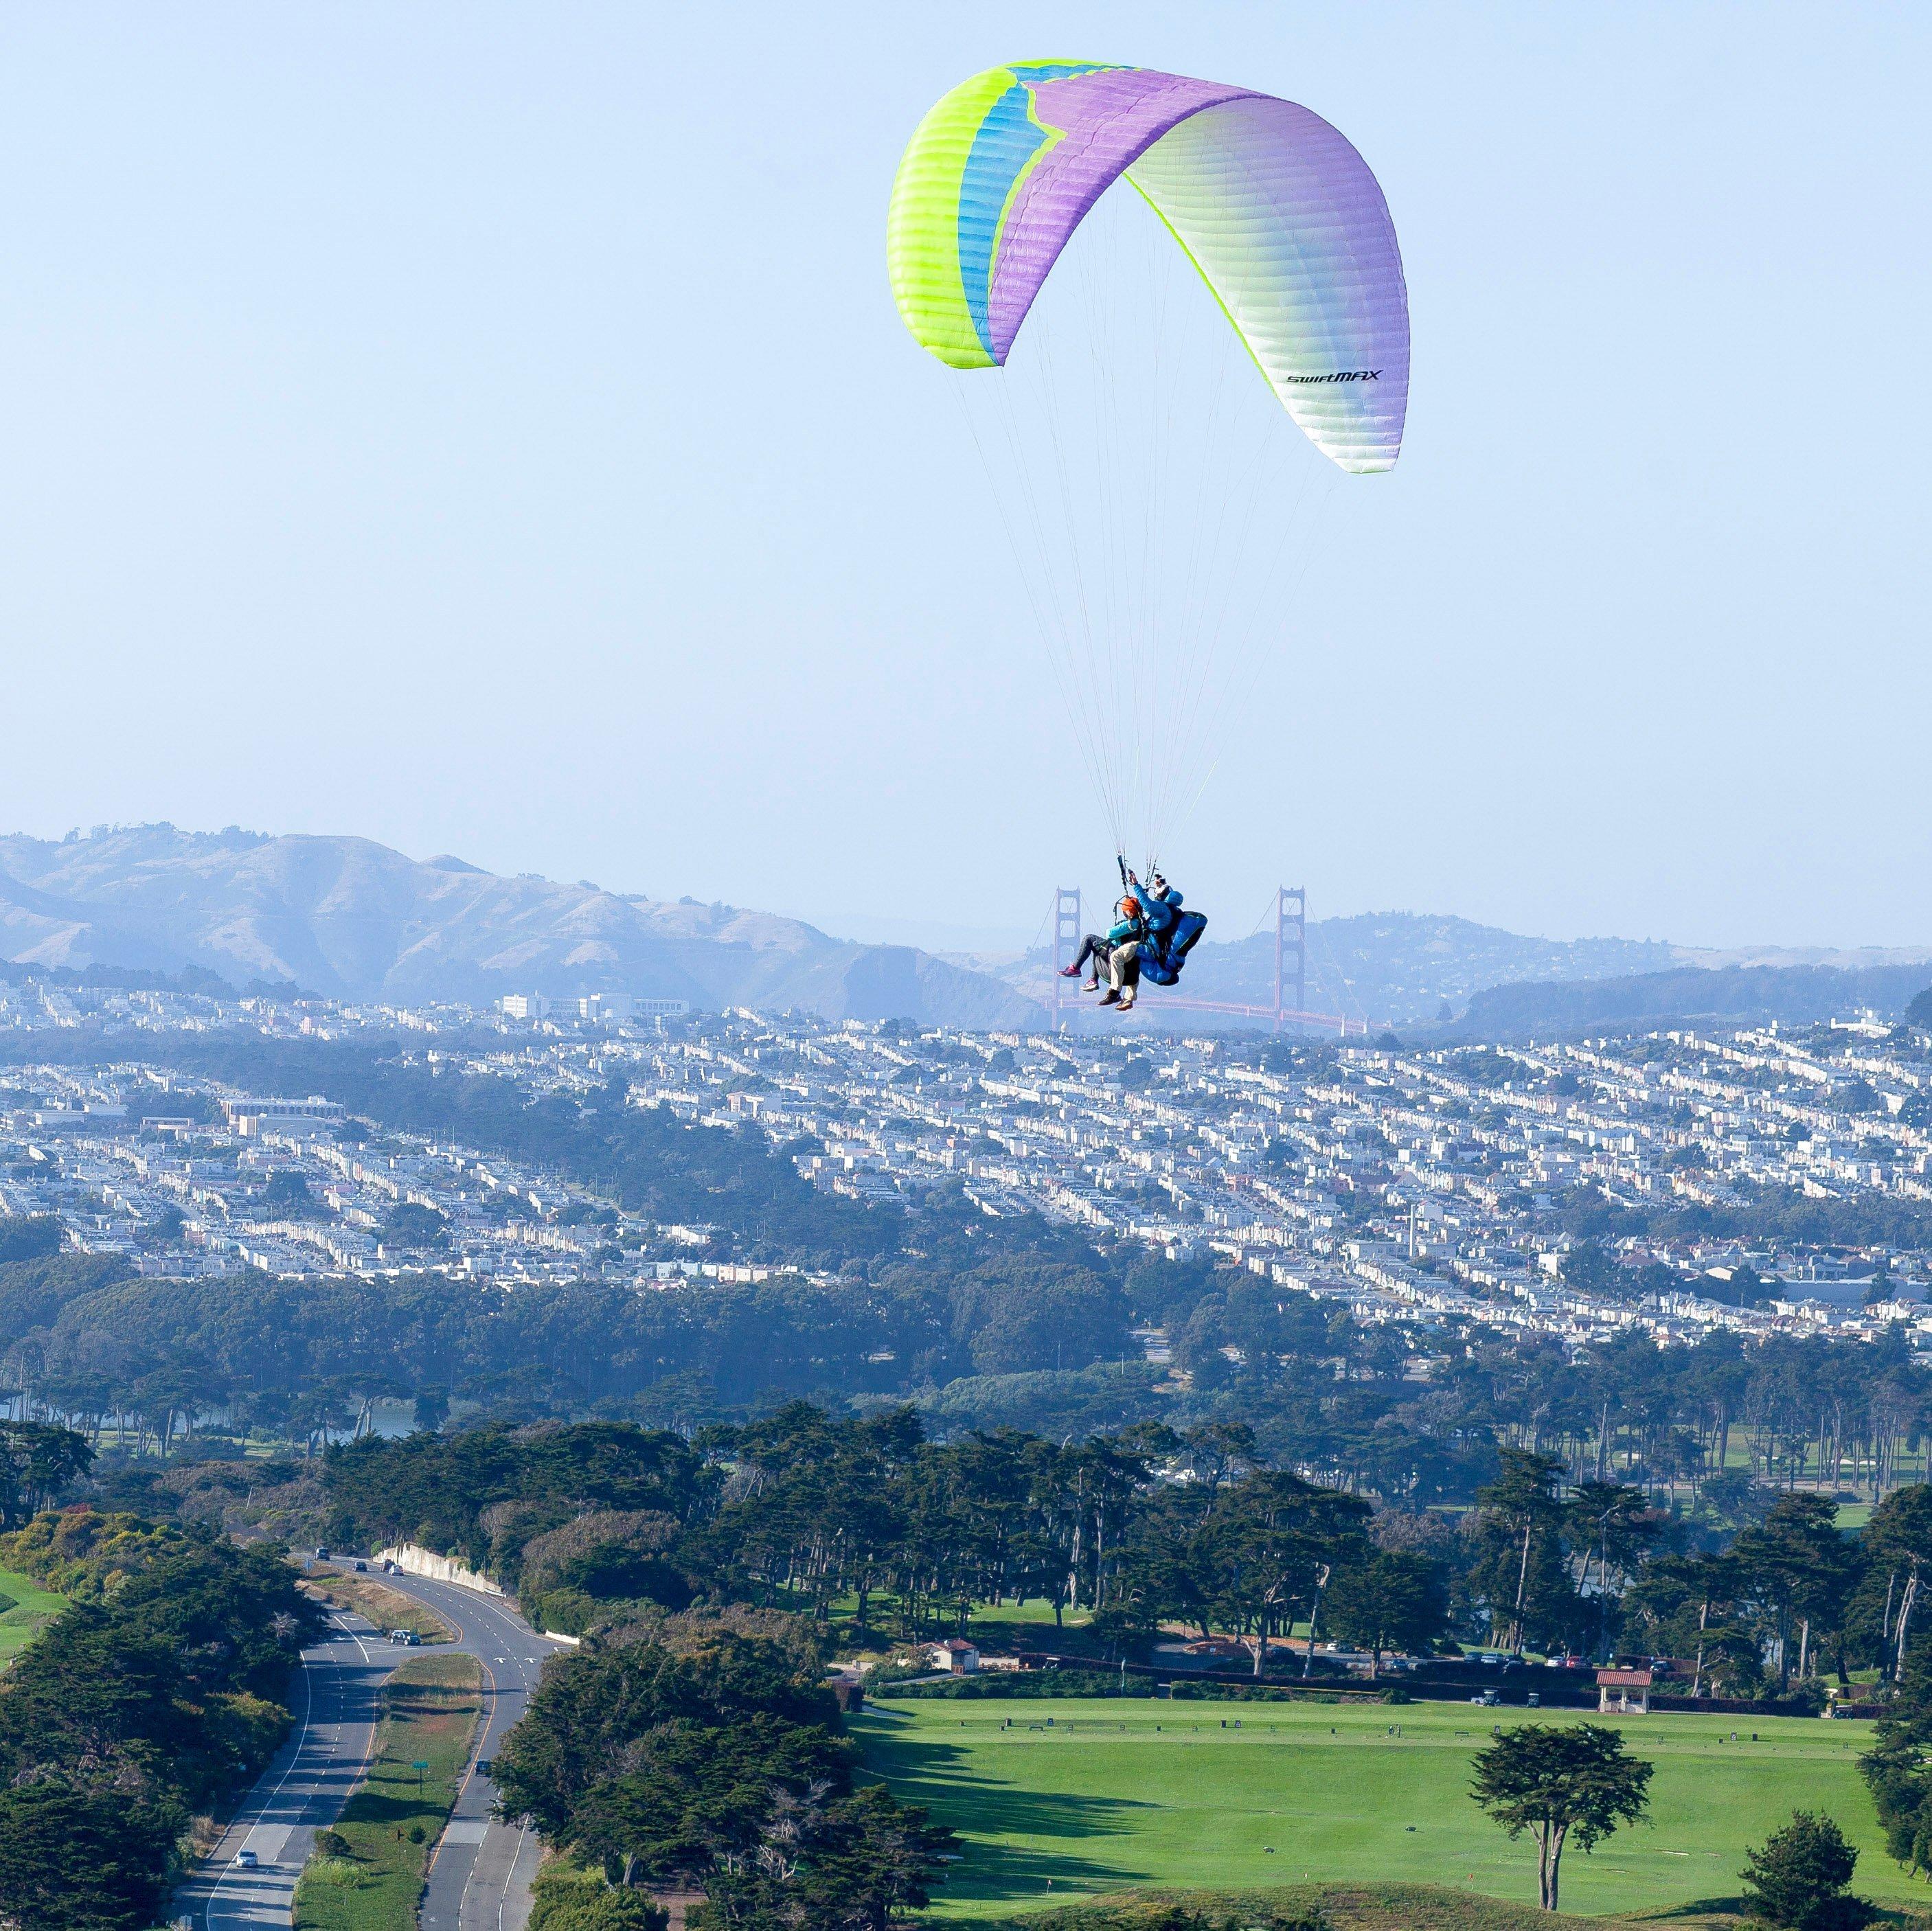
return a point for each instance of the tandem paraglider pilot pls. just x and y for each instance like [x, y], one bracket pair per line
[1150, 937]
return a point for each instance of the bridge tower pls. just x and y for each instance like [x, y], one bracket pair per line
[1066, 934]
[1291, 952]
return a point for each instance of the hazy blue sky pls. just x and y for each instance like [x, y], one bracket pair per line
[487, 428]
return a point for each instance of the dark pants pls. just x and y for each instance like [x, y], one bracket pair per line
[1091, 947]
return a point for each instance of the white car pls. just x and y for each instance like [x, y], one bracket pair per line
[246, 1861]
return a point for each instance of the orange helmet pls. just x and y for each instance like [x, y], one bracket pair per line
[1129, 908]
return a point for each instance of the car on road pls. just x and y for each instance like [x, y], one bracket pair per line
[404, 1636]
[321, 1553]
[361, 1569]
[246, 1861]
[485, 1766]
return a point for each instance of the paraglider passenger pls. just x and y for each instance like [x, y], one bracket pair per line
[1123, 968]
[1123, 936]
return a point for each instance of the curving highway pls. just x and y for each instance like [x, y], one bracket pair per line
[480, 1873]
[479, 1877]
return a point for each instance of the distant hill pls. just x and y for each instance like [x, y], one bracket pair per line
[1397, 967]
[1424, 970]
[1721, 996]
[352, 919]
[1391, 967]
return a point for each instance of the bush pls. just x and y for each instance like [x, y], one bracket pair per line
[338, 1873]
[1209, 1913]
[565, 1899]
[1221, 1691]
[570, 1612]
[1797, 1879]
[1021, 1684]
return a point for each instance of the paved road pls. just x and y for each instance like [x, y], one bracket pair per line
[480, 1878]
[335, 1702]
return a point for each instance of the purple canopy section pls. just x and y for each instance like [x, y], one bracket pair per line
[1107, 121]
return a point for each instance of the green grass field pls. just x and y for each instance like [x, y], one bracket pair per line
[1078, 1796]
[34, 1607]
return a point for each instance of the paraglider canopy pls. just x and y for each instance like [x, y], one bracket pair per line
[1279, 213]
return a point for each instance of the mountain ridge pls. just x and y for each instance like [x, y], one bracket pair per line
[349, 918]
[1431, 969]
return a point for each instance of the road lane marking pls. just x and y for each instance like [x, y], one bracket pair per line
[301, 1739]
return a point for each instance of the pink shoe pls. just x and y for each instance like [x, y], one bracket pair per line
[1069, 972]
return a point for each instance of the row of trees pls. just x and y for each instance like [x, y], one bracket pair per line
[803, 1508]
[1146, 1528]
[158, 1690]
[1408, 1417]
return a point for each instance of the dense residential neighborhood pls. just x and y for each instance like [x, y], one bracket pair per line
[1413, 1185]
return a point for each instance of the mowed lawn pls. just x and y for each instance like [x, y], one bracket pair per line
[1080, 1796]
[34, 1607]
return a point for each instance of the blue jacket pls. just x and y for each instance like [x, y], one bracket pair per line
[1156, 913]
